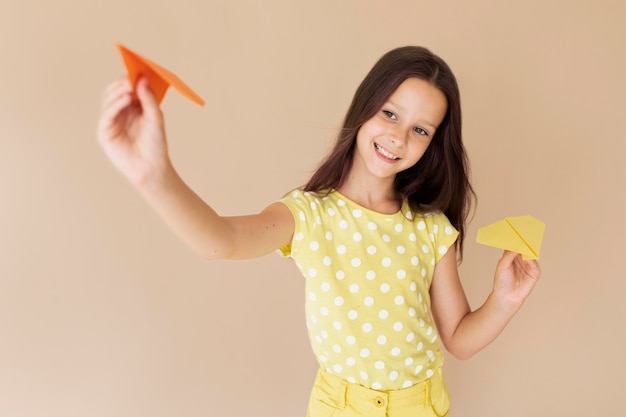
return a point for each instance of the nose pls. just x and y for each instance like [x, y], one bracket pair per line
[397, 136]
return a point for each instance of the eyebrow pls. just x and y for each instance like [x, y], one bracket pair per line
[422, 121]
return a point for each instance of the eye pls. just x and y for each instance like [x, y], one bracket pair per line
[390, 115]
[420, 131]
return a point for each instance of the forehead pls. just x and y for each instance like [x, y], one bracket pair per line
[419, 98]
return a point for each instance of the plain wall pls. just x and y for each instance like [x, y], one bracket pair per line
[103, 312]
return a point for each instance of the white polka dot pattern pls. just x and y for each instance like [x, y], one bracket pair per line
[367, 280]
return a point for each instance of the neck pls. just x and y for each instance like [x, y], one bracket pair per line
[378, 195]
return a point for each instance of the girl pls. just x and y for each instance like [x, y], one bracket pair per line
[377, 232]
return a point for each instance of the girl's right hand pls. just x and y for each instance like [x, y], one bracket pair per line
[132, 132]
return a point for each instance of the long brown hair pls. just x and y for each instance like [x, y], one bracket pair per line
[439, 181]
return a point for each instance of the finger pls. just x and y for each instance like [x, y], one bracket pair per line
[117, 88]
[508, 257]
[530, 268]
[122, 83]
[111, 113]
[117, 83]
[149, 105]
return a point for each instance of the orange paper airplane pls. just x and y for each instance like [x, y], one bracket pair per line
[158, 77]
[521, 234]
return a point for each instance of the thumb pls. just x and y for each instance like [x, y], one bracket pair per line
[149, 104]
[529, 267]
[507, 258]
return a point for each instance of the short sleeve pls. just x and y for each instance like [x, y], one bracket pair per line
[298, 204]
[284, 251]
[442, 234]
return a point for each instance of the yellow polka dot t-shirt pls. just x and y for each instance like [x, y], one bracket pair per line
[367, 287]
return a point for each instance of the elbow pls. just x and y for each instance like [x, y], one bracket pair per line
[462, 355]
[459, 352]
[210, 256]
[215, 254]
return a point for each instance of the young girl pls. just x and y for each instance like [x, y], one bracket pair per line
[377, 233]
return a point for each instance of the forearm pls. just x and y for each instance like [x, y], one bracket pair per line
[478, 329]
[188, 216]
[465, 332]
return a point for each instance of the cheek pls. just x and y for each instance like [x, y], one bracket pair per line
[371, 128]
[417, 151]
[363, 138]
[362, 133]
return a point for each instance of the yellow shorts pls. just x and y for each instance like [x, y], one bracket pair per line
[334, 397]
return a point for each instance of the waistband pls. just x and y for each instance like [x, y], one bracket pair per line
[344, 392]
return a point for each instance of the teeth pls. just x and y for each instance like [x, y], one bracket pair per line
[384, 153]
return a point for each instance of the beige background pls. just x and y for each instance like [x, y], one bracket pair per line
[104, 313]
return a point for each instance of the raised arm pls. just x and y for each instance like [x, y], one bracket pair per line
[465, 332]
[132, 134]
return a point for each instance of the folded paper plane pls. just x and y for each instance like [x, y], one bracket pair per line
[158, 77]
[521, 234]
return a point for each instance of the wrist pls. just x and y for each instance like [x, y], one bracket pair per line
[504, 304]
[158, 180]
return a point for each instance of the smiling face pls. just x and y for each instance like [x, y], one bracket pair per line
[397, 136]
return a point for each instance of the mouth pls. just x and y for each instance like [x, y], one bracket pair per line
[385, 153]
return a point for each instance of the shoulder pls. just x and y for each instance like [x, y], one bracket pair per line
[298, 196]
[435, 228]
[305, 208]
[300, 201]
[433, 221]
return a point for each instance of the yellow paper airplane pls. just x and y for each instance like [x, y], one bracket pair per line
[521, 234]
[158, 77]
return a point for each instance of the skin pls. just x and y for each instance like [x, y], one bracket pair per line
[132, 135]
[404, 127]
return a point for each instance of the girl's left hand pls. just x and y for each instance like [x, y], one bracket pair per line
[515, 278]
